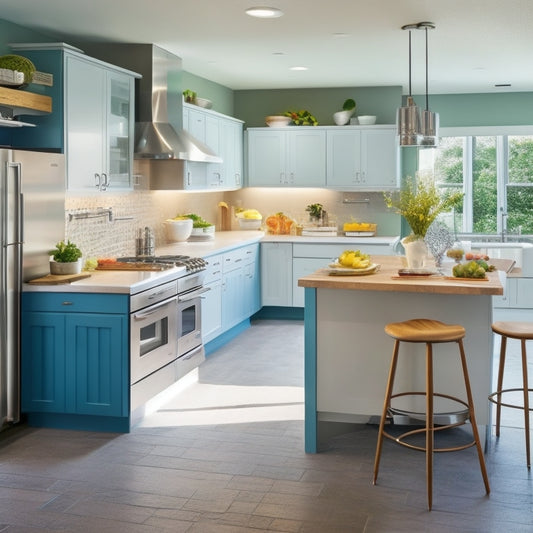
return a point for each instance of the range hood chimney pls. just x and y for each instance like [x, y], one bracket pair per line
[159, 132]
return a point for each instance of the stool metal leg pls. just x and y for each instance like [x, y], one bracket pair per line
[503, 351]
[386, 404]
[472, 415]
[526, 399]
[429, 423]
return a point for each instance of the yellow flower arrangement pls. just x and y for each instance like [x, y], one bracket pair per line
[420, 202]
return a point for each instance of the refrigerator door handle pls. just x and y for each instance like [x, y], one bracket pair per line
[19, 207]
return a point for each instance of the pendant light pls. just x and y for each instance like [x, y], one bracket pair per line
[408, 116]
[430, 120]
[416, 128]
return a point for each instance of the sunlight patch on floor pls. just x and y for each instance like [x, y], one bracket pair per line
[203, 404]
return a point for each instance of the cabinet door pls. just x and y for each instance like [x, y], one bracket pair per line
[343, 158]
[119, 143]
[212, 311]
[307, 157]
[266, 158]
[85, 123]
[302, 267]
[43, 362]
[276, 274]
[232, 298]
[97, 364]
[215, 177]
[231, 153]
[380, 158]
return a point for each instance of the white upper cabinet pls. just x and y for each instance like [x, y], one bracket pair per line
[224, 136]
[287, 157]
[99, 125]
[362, 158]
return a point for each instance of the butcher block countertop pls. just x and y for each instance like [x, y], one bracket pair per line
[387, 279]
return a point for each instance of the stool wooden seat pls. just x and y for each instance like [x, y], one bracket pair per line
[429, 332]
[521, 331]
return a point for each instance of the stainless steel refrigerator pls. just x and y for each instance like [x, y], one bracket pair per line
[32, 221]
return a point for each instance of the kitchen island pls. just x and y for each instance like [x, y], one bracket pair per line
[347, 353]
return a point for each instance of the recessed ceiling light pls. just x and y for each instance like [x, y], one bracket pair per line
[298, 68]
[264, 12]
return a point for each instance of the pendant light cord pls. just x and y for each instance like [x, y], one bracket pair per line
[427, 98]
[409, 62]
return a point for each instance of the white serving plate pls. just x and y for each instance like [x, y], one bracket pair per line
[334, 269]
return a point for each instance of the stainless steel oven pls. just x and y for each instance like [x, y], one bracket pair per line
[153, 330]
[190, 292]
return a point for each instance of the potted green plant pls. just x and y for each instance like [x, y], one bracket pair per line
[343, 117]
[317, 214]
[189, 96]
[66, 259]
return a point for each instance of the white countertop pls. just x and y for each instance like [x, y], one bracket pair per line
[132, 282]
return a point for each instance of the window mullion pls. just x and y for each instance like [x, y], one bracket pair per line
[502, 179]
[468, 201]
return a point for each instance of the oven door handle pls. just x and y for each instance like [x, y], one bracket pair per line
[192, 295]
[151, 310]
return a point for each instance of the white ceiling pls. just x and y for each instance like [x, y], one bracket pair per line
[476, 43]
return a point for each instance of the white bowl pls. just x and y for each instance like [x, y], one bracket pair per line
[367, 119]
[204, 102]
[249, 223]
[179, 230]
[277, 121]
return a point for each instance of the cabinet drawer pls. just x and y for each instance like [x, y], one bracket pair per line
[75, 302]
[213, 271]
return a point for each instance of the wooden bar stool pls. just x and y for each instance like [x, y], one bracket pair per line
[429, 332]
[522, 331]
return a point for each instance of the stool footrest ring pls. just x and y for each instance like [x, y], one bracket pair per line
[503, 391]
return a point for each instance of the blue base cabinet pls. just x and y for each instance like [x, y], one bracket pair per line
[75, 360]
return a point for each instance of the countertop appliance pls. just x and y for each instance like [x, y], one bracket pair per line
[32, 220]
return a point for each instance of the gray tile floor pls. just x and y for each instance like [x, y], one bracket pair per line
[226, 455]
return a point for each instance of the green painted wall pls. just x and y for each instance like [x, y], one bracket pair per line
[221, 96]
[498, 109]
[253, 106]
[13, 33]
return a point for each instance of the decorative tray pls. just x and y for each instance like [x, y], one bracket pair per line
[334, 269]
[416, 272]
[359, 233]
[454, 278]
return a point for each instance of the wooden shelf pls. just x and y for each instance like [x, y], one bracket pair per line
[24, 102]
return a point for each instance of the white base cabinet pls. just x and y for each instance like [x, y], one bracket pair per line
[234, 295]
[276, 274]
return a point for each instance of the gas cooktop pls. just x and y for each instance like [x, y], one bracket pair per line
[191, 264]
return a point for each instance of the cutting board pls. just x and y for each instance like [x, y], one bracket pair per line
[54, 279]
[132, 266]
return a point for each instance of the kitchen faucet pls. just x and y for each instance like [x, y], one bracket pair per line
[504, 226]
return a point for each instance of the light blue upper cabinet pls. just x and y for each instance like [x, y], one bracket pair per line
[99, 126]
[92, 119]
[363, 158]
[224, 136]
[287, 157]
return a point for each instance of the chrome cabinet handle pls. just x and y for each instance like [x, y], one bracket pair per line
[98, 180]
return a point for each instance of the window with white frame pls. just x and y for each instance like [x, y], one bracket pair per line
[495, 174]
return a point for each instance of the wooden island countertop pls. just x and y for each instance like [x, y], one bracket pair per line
[347, 353]
[387, 279]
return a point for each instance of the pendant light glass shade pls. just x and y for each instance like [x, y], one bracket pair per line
[430, 128]
[409, 124]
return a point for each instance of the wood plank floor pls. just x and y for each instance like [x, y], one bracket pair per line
[226, 455]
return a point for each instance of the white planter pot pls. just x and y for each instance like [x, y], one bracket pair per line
[62, 269]
[342, 117]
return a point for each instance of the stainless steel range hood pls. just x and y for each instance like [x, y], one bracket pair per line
[159, 132]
